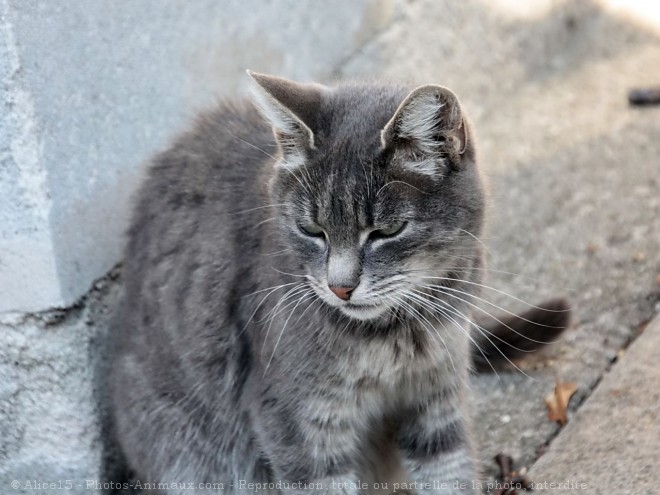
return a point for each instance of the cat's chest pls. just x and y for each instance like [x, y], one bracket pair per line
[400, 365]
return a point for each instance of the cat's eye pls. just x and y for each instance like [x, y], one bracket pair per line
[311, 229]
[390, 231]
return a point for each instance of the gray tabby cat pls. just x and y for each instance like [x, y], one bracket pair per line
[298, 296]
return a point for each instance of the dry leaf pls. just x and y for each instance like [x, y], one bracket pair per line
[557, 401]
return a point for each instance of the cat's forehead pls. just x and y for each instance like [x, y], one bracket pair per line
[344, 208]
[353, 115]
[348, 135]
[348, 194]
[347, 167]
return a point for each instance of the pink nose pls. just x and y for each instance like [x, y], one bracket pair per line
[342, 292]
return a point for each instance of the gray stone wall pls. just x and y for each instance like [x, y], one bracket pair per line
[89, 90]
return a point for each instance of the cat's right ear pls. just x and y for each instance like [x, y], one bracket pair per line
[430, 122]
[290, 107]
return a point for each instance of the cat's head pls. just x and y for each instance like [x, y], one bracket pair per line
[376, 188]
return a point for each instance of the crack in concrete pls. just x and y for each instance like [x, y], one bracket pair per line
[582, 399]
[399, 16]
[59, 315]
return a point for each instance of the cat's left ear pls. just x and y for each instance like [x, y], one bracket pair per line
[290, 107]
[430, 121]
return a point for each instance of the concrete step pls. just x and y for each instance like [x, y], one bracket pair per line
[612, 444]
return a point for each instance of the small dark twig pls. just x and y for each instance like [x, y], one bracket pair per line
[505, 463]
[644, 96]
[511, 480]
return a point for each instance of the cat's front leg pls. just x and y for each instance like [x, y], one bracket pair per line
[436, 450]
[311, 448]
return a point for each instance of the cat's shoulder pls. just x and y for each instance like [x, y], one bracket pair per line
[219, 142]
[219, 154]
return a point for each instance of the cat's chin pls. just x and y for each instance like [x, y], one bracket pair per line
[363, 313]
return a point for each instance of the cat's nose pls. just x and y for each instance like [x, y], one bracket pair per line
[342, 292]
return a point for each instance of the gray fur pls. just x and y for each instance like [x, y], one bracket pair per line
[235, 361]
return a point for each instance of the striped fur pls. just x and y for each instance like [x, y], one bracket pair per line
[235, 361]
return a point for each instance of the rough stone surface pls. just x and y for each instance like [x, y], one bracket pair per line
[53, 421]
[611, 444]
[25, 239]
[90, 91]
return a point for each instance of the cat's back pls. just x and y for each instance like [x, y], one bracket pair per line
[192, 224]
[215, 164]
[187, 255]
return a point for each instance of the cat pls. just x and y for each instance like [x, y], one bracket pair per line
[299, 279]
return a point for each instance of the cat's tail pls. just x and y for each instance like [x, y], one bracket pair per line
[501, 339]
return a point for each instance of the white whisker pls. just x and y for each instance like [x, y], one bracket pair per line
[498, 291]
[399, 182]
[300, 299]
[434, 307]
[250, 144]
[290, 274]
[408, 307]
[483, 331]
[442, 289]
[478, 240]
[259, 208]
[270, 317]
